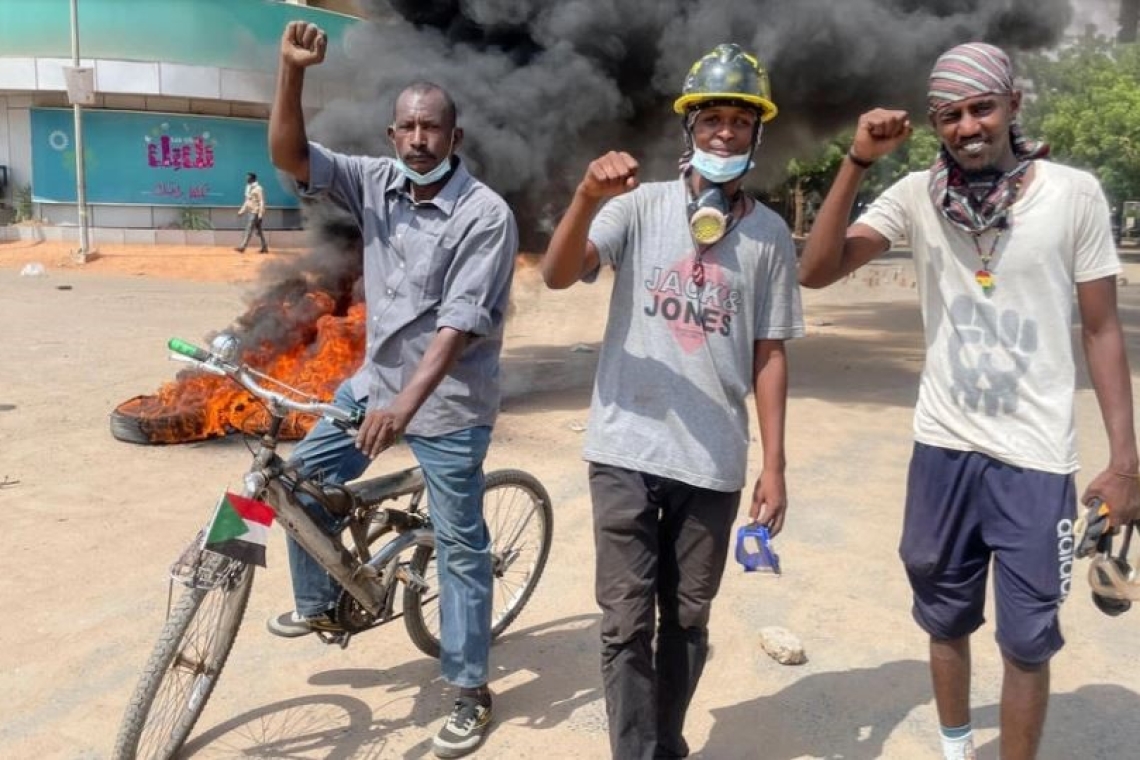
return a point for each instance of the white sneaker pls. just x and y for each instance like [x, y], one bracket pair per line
[464, 730]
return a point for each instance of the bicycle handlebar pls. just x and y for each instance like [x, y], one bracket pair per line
[245, 376]
[189, 350]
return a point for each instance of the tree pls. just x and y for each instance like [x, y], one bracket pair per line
[809, 178]
[1129, 20]
[1085, 102]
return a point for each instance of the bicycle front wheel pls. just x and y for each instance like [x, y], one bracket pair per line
[186, 662]
[520, 520]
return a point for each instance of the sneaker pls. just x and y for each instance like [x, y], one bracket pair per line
[290, 625]
[464, 730]
[264, 250]
[240, 250]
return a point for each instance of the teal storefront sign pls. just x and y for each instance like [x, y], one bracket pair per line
[154, 159]
[235, 34]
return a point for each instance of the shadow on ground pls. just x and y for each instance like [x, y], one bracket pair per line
[336, 725]
[1109, 717]
[847, 714]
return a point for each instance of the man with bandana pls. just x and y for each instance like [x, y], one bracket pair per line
[704, 296]
[1001, 237]
[439, 252]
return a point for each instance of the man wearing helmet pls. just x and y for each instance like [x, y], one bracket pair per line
[704, 297]
[1001, 238]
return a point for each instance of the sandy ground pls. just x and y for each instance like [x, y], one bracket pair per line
[91, 524]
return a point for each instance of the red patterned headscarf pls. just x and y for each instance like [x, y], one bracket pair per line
[967, 71]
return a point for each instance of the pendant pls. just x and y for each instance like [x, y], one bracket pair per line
[698, 273]
[985, 278]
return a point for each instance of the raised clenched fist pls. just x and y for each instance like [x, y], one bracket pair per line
[612, 174]
[879, 132]
[303, 44]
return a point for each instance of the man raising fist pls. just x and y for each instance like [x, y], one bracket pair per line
[704, 297]
[439, 251]
[1000, 238]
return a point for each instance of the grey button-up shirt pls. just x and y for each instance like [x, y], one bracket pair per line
[446, 262]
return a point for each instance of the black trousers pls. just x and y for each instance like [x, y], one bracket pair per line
[661, 547]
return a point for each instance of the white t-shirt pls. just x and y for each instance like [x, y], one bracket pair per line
[999, 375]
[675, 369]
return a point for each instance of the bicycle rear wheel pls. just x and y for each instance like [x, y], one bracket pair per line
[186, 662]
[520, 520]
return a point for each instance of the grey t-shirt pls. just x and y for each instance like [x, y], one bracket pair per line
[675, 369]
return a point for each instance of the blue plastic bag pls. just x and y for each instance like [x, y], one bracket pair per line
[754, 550]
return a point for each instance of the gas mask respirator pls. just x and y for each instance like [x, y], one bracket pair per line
[710, 215]
[710, 211]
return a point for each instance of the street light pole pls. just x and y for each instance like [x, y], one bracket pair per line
[80, 168]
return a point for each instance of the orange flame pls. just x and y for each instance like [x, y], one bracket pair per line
[196, 405]
[322, 349]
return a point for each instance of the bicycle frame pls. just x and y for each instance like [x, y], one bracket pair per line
[201, 628]
[368, 579]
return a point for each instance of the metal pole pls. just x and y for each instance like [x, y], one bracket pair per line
[80, 169]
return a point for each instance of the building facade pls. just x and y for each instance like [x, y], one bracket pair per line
[182, 90]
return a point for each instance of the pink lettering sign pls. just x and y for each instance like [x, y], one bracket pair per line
[180, 153]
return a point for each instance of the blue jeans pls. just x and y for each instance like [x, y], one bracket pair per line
[453, 470]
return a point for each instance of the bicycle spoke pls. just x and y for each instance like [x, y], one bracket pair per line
[517, 512]
[185, 665]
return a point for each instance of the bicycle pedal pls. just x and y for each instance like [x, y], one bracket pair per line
[412, 580]
[340, 639]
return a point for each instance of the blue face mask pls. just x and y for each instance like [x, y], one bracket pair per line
[431, 177]
[720, 169]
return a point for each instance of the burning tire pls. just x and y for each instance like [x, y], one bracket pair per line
[143, 420]
[148, 420]
[198, 406]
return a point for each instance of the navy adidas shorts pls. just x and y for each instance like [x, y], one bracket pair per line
[964, 509]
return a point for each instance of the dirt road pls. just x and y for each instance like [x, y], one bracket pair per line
[90, 525]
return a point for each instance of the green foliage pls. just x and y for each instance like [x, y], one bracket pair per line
[1086, 104]
[24, 208]
[814, 173]
[916, 154]
[1083, 99]
[194, 218]
[812, 176]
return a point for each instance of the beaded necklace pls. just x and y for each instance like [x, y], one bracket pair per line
[985, 276]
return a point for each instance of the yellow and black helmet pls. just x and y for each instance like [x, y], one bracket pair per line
[727, 73]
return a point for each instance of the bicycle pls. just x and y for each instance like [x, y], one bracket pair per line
[388, 573]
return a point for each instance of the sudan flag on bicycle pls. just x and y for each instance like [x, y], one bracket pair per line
[240, 528]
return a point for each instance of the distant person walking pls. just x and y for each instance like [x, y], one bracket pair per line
[254, 208]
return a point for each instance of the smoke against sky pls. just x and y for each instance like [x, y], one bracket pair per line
[1102, 14]
[544, 86]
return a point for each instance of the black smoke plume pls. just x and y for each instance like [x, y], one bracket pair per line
[544, 86]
